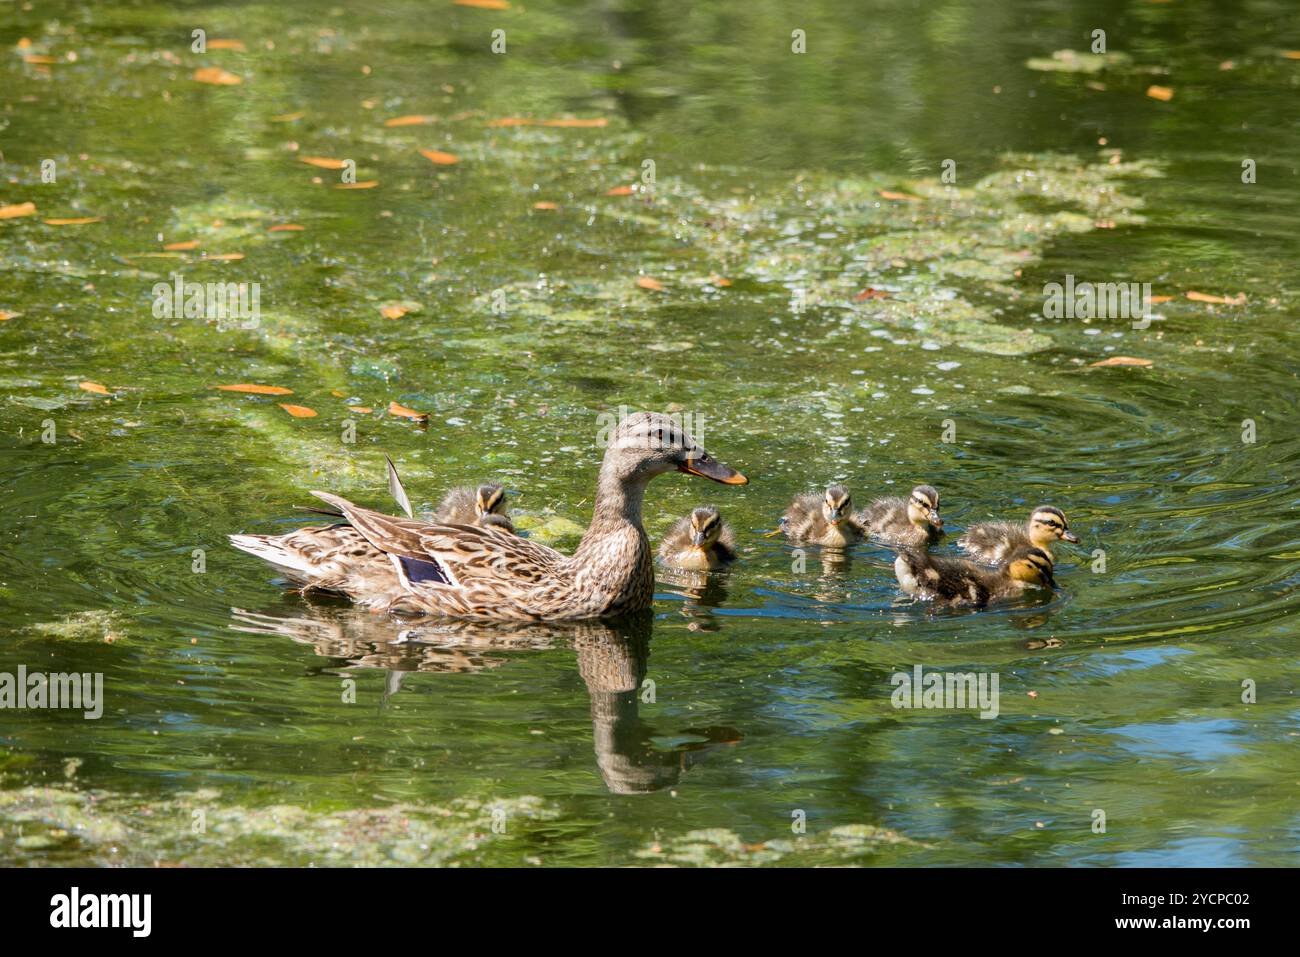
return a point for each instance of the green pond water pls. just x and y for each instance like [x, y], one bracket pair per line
[227, 735]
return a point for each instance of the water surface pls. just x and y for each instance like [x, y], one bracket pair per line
[764, 222]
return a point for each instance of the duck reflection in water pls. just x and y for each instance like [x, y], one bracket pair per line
[700, 591]
[612, 657]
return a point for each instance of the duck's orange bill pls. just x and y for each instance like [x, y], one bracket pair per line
[710, 469]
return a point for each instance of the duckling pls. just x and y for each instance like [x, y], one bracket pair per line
[701, 541]
[826, 519]
[992, 542]
[958, 582]
[485, 506]
[913, 521]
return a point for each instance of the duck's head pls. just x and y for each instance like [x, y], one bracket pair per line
[647, 444]
[923, 507]
[490, 499]
[837, 505]
[706, 526]
[1047, 524]
[1033, 566]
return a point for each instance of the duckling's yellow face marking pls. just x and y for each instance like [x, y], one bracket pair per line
[1033, 567]
[706, 526]
[836, 505]
[923, 507]
[490, 500]
[1048, 524]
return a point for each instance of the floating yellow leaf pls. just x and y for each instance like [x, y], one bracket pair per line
[594, 121]
[1122, 361]
[298, 411]
[1238, 300]
[512, 121]
[286, 228]
[288, 117]
[218, 44]
[647, 282]
[545, 205]
[620, 191]
[440, 158]
[890, 194]
[18, 209]
[257, 389]
[393, 312]
[217, 76]
[716, 280]
[323, 162]
[364, 184]
[483, 4]
[75, 221]
[361, 409]
[395, 409]
[1291, 54]
[1162, 93]
[6, 316]
[414, 120]
[94, 387]
[185, 244]
[223, 257]
[39, 58]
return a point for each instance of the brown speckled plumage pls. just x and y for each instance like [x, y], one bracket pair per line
[469, 571]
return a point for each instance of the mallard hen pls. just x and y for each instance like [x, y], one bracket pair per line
[468, 571]
[992, 542]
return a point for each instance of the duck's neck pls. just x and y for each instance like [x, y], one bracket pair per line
[618, 506]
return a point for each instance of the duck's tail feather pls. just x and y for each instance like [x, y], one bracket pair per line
[271, 548]
[397, 490]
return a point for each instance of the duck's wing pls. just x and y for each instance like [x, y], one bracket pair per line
[882, 511]
[802, 507]
[992, 541]
[676, 538]
[432, 555]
